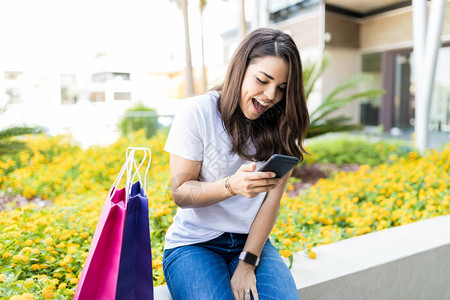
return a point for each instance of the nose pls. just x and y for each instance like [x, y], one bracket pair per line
[270, 93]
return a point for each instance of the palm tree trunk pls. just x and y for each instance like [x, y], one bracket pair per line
[243, 22]
[189, 76]
[204, 76]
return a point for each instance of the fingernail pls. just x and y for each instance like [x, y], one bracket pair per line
[273, 174]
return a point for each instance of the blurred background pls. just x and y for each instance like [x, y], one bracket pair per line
[96, 69]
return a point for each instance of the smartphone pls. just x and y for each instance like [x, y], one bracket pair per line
[279, 164]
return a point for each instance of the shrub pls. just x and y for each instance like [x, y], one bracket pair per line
[351, 149]
[139, 117]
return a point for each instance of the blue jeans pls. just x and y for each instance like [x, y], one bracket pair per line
[204, 270]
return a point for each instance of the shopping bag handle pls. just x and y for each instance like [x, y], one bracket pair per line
[128, 167]
[130, 178]
[125, 167]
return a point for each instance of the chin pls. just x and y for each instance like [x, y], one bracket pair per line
[251, 117]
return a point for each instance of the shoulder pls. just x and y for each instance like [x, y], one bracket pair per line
[206, 102]
[198, 111]
[199, 107]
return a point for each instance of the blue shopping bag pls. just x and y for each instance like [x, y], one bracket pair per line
[135, 279]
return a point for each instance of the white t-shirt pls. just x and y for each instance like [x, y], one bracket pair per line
[198, 134]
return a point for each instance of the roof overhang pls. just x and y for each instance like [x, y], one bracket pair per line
[364, 8]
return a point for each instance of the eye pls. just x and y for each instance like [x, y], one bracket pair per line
[282, 88]
[260, 81]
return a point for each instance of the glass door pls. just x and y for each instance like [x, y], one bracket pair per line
[403, 102]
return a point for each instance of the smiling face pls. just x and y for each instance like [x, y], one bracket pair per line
[263, 86]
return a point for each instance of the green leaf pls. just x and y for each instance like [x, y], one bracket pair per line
[291, 260]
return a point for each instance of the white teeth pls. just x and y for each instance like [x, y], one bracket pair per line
[262, 102]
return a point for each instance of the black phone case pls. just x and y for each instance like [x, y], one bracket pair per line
[279, 164]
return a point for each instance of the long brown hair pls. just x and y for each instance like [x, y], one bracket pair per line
[281, 129]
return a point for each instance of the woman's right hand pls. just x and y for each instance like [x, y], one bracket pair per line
[247, 183]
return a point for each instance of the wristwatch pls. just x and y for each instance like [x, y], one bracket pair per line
[249, 258]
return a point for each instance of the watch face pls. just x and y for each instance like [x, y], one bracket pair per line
[251, 258]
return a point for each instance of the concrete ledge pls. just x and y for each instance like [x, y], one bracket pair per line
[406, 262]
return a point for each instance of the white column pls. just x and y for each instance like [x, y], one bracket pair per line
[263, 13]
[429, 35]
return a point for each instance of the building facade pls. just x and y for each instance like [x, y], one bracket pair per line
[371, 37]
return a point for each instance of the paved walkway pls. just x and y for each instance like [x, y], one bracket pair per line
[436, 138]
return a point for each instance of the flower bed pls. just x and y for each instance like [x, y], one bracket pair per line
[42, 249]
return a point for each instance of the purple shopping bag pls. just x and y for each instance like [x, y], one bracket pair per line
[135, 280]
[99, 275]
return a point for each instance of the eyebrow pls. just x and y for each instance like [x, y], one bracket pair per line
[270, 77]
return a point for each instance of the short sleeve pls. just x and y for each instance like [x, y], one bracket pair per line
[185, 139]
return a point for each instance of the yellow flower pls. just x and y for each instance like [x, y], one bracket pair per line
[35, 267]
[48, 241]
[84, 234]
[3, 277]
[287, 242]
[27, 296]
[7, 254]
[312, 254]
[62, 286]
[286, 253]
[74, 280]
[20, 257]
[47, 293]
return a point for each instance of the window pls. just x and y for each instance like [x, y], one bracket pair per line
[371, 65]
[122, 96]
[280, 10]
[12, 75]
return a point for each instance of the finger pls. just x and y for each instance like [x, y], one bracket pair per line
[236, 295]
[248, 167]
[264, 182]
[255, 191]
[247, 297]
[262, 175]
[255, 293]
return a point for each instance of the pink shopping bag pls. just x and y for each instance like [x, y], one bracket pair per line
[98, 278]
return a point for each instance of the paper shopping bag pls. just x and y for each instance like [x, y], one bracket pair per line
[99, 275]
[135, 280]
[98, 279]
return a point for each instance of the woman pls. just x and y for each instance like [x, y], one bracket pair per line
[218, 246]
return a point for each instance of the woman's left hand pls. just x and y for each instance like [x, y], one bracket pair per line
[243, 279]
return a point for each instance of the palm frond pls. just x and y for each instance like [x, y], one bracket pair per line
[311, 73]
[332, 104]
[8, 144]
[336, 124]
[10, 147]
[18, 131]
[320, 123]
